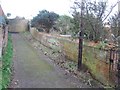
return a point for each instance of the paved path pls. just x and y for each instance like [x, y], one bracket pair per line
[33, 70]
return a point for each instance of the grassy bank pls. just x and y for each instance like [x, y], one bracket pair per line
[6, 63]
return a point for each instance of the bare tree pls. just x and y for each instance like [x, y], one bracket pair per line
[95, 13]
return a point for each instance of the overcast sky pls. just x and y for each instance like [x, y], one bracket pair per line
[30, 8]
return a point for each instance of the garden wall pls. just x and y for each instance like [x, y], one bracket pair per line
[95, 59]
[3, 38]
[18, 25]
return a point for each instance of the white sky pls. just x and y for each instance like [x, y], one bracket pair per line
[30, 8]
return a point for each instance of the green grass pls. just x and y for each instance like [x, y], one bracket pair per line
[6, 63]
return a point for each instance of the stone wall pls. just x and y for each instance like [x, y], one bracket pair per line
[46, 39]
[18, 25]
[95, 59]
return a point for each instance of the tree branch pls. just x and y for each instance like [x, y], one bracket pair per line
[110, 11]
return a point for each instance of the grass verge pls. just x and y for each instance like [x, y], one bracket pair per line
[6, 63]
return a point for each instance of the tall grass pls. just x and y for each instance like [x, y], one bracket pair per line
[6, 63]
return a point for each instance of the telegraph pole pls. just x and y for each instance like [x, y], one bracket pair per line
[80, 39]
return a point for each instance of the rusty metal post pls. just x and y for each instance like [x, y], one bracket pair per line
[80, 39]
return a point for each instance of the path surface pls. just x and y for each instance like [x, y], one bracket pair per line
[33, 70]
